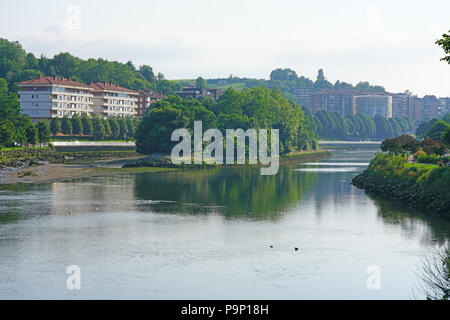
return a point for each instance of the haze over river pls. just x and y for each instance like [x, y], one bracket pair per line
[207, 234]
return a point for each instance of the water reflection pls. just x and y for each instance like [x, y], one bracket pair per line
[235, 192]
[206, 234]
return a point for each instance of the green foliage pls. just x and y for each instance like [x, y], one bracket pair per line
[446, 138]
[77, 125]
[200, 82]
[88, 128]
[252, 108]
[445, 44]
[115, 127]
[13, 122]
[333, 126]
[106, 125]
[131, 128]
[32, 135]
[123, 128]
[99, 129]
[7, 132]
[419, 185]
[425, 126]
[66, 126]
[55, 126]
[16, 65]
[437, 131]
[43, 130]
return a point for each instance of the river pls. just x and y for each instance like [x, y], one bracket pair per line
[225, 233]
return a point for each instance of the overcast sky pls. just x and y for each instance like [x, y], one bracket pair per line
[390, 43]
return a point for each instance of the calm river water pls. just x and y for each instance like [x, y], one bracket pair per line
[207, 234]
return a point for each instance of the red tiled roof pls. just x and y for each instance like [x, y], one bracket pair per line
[102, 86]
[54, 80]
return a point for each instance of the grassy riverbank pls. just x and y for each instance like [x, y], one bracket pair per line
[418, 185]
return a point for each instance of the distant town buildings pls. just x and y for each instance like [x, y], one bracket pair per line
[385, 103]
[146, 99]
[197, 92]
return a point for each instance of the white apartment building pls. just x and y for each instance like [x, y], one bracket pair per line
[51, 97]
[114, 100]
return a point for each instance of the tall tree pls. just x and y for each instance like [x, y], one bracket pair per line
[55, 126]
[99, 129]
[66, 126]
[88, 128]
[43, 130]
[77, 125]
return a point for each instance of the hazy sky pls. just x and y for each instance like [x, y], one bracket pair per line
[390, 43]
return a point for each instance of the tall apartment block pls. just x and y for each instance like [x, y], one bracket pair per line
[146, 99]
[50, 97]
[331, 100]
[444, 106]
[114, 100]
[403, 105]
[372, 105]
[430, 107]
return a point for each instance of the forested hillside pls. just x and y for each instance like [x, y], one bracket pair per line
[17, 65]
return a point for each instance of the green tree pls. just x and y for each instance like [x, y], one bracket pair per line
[88, 128]
[7, 132]
[444, 42]
[99, 129]
[43, 130]
[115, 127]
[66, 126]
[77, 125]
[108, 131]
[32, 135]
[55, 126]
[446, 138]
[200, 82]
[131, 128]
[437, 131]
[123, 128]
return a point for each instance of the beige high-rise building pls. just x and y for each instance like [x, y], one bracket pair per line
[54, 97]
[114, 100]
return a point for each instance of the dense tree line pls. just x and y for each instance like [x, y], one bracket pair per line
[17, 65]
[334, 126]
[112, 127]
[256, 108]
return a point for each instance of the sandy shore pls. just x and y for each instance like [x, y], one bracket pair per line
[44, 172]
[49, 172]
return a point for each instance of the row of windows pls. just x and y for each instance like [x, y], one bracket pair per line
[119, 109]
[119, 102]
[70, 106]
[72, 98]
